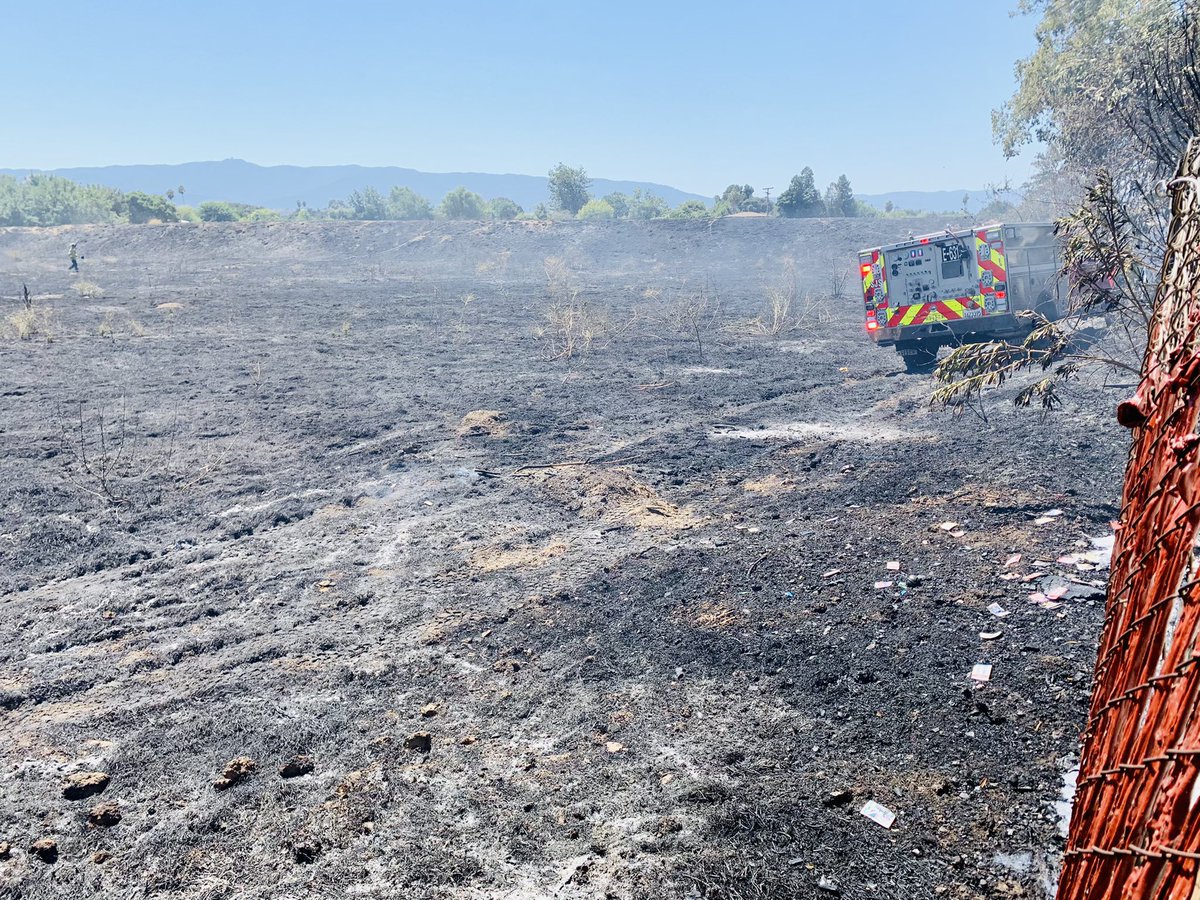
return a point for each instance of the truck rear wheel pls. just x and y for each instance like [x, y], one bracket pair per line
[919, 358]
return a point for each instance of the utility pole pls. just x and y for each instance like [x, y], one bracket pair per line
[767, 191]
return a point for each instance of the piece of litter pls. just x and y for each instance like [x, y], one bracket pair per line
[883, 585]
[1043, 520]
[614, 747]
[989, 635]
[998, 611]
[893, 566]
[1013, 560]
[1038, 597]
[1033, 576]
[958, 534]
[1069, 560]
[1010, 576]
[948, 526]
[1102, 554]
[1057, 593]
[981, 672]
[831, 573]
[1052, 513]
[878, 813]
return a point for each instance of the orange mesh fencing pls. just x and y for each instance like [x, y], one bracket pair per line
[1135, 827]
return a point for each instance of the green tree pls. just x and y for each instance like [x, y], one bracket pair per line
[596, 209]
[42, 200]
[998, 211]
[503, 208]
[368, 205]
[462, 204]
[1111, 83]
[217, 211]
[569, 188]
[405, 203]
[338, 209]
[620, 204]
[801, 199]
[735, 195]
[145, 208]
[839, 199]
[646, 205]
[755, 205]
[689, 209]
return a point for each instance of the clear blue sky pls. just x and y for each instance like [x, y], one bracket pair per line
[695, 94]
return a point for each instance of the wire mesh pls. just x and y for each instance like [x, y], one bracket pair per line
[1135, 827]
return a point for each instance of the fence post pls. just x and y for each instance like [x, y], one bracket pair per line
[1135, 827]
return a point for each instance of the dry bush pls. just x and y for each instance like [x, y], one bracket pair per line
[31, 322]
[112, 327]
[784, 314]
[785, 311]
[572, 326]
[839, 279]
[465, 316]
[694, 315]
[88, 290]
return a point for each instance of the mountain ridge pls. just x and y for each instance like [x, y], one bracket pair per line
[282, 187]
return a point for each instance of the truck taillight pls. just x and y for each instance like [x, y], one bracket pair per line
[872, 324]
[866, 269]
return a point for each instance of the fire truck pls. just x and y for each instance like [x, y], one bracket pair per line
[960, 287]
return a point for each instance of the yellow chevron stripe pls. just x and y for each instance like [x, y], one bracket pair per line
[955, 306]
[910, 314]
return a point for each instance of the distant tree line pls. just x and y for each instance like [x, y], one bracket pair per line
[43, 200]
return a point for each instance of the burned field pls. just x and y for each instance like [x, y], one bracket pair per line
[523, 560]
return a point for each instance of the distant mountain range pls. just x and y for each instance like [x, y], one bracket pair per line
[939, 201]
[282, 187]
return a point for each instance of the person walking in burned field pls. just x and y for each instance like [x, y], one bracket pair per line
[74, 256]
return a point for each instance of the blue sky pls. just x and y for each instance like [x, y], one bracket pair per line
[692, 94]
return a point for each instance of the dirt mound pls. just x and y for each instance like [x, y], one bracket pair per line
[614, 496]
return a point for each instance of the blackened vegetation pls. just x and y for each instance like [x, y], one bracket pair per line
[615, 634]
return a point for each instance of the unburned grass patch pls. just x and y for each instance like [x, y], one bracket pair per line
[496, 560]
[483, 423]
[617, 496]
[88, 290]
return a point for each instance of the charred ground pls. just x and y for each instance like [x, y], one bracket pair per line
[315, 491]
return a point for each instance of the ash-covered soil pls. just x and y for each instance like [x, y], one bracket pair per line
[314, 498]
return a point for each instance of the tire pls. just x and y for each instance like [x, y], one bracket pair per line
[1047, 308]
[919, 358]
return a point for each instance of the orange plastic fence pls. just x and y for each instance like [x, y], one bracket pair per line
[1135, 828]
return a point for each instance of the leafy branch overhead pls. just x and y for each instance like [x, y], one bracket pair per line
[1113, 90]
